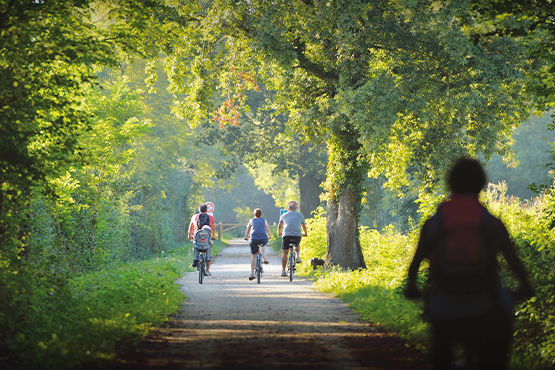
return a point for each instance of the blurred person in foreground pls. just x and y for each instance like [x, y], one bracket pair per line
[465, 301]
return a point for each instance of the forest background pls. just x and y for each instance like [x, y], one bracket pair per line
[118, 118]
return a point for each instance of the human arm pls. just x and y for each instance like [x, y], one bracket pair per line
[280, 226]
[248, 232]
[506, 247]
[268, 230]
[303, 226]
[191, 228]
[411, 290]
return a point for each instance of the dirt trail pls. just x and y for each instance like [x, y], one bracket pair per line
[229, 322]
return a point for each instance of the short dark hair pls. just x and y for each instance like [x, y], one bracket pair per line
[466, 177]
[257, 212]
[203, 208]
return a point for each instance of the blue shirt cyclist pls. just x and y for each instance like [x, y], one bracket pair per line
[258, 233]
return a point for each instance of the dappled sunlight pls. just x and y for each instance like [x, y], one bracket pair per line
[270, 344]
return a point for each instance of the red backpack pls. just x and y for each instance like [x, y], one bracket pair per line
[462, 254]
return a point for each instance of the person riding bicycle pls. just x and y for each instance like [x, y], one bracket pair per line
[291, 222]
[198, 221]
[465, 301]
[258, 232]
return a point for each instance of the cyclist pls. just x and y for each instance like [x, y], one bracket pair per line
[291, 222]
[258, 232]
[465, 300]
[198, 221]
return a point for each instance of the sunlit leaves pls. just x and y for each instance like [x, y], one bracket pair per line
[281, 187]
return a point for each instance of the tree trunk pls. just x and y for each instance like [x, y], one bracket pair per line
[343, 237]
[345, 186]
[310, 190]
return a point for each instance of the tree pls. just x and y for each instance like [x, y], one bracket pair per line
[393, 88]
[50, 52]
[531, 22]
[387, 84]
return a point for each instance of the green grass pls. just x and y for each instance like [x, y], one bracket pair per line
[100, 313]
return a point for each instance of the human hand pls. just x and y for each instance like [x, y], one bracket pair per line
[279, 234]
[305, 234]
[246, 238]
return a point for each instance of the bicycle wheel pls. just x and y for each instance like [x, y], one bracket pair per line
[258, 268]
[291, 264]
[201, 268]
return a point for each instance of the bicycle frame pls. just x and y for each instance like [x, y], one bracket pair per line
[258, 265]
[201, 267]
[291, 261]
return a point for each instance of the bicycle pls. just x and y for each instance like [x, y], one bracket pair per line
[201, 267]
[291, 261]
[258, 265]
[201, 244]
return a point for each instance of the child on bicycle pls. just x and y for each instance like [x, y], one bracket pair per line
[258, 232]
[198, 222]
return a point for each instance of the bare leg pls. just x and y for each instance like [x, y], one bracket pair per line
[284, 259]
[253, 260]
[298, 250]
[209, 256]
[263, 249]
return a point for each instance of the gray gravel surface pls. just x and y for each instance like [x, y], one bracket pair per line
[229, 295]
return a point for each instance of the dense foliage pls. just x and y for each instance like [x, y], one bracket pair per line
[395, 88]
[93, 176]
[100, 313]
[531, 22]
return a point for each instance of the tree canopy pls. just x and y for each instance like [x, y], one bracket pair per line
[532, 23]
[393, 88]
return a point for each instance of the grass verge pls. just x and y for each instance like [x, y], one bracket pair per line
[98, 314]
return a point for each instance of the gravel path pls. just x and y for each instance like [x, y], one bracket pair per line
[229, 322]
